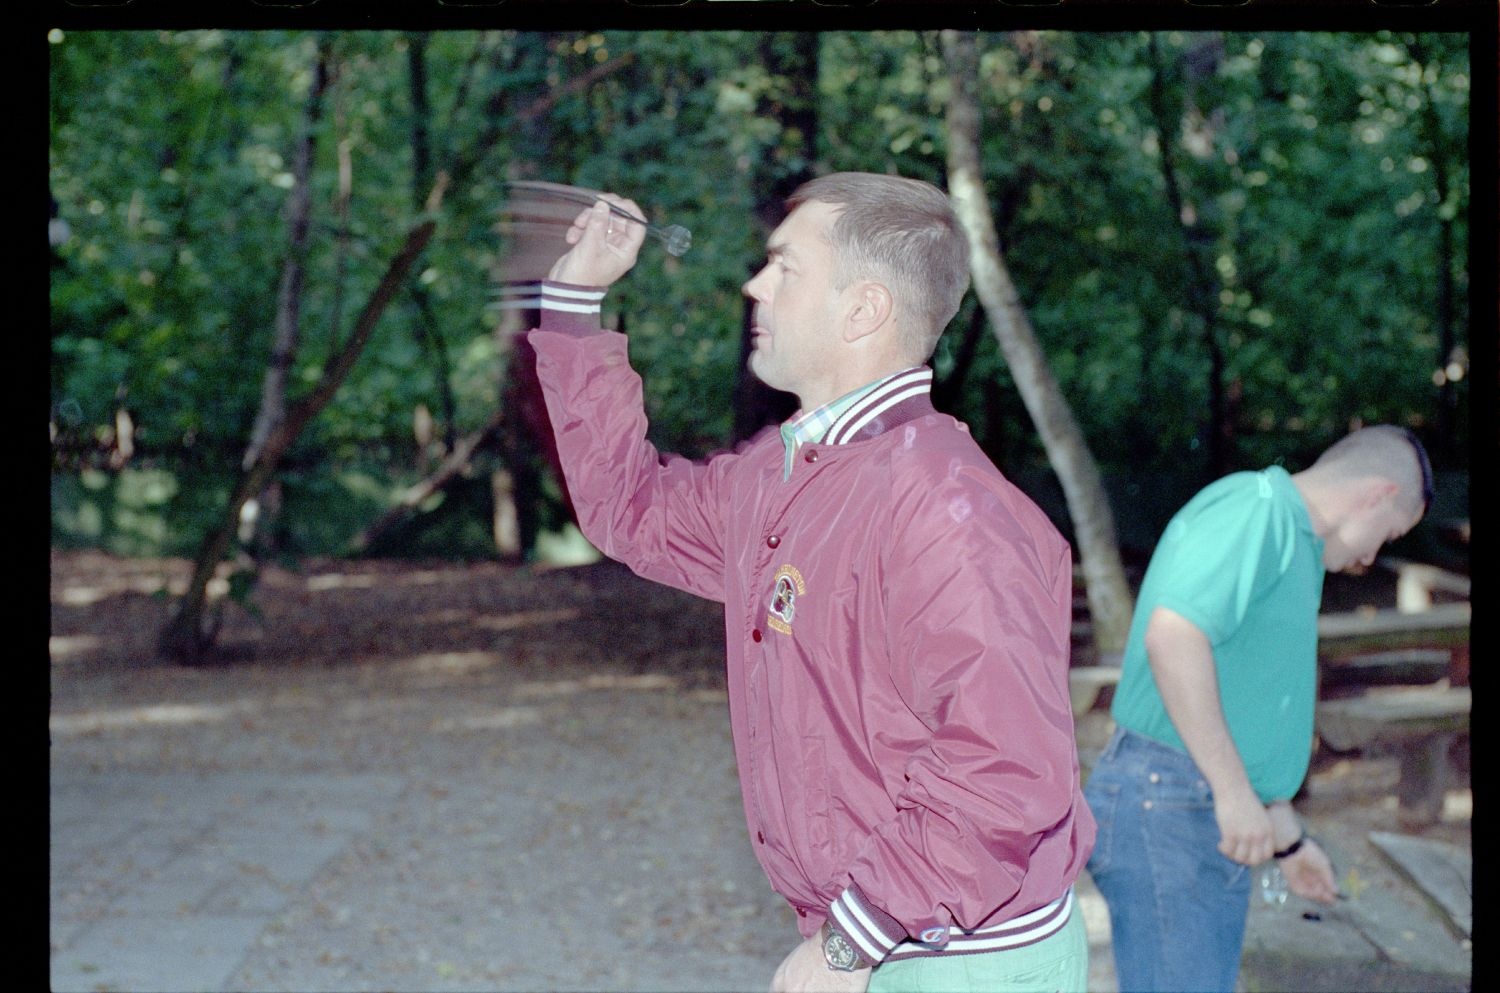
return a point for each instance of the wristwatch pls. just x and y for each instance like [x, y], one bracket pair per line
[839, 954]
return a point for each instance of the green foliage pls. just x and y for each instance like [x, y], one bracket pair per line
[133, 512]
[1319, 173]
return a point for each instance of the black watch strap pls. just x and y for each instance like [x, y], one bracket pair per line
[1291, 849]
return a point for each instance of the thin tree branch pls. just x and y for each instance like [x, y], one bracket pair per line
[288, 335]
[455, 462]
[497, 122]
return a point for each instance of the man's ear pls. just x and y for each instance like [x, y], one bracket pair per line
[1387, 490]
[1377, 489]
[871, 307]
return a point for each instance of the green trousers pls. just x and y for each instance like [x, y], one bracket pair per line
[1056, 964]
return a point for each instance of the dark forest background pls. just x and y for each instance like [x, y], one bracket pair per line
[1233, 247]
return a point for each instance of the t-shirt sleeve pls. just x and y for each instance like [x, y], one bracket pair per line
[1215, 561]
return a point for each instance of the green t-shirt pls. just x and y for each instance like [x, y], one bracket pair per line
[1242, 563]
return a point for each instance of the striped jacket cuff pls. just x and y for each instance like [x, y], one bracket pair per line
[871, 931]
[564, 307]
[879, 937]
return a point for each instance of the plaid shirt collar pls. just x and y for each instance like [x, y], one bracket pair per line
[855, 415]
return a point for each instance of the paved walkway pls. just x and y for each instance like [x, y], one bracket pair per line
[237, 880]
[582, 840]
[414, 779]
[598, 845]
[170, 881]
[192, 882]
[470, 812]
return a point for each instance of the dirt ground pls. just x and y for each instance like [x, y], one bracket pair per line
[549, 800]
[453, 675]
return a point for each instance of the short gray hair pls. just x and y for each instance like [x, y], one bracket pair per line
[903, 233]
[1383, 451]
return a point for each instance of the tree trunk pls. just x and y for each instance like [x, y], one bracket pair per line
[288, 336]
[1110, 602]
[190, 633]
[527, 443]
[259, 512]
[1200, 287]
[524, 442]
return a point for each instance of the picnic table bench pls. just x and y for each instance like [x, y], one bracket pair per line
[1418, 724]
[1347, 633]
[1376, 652]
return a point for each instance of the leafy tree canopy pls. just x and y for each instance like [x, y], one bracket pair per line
[1320, 242]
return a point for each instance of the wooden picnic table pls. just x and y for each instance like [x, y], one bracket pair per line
[1418, 724]
[1351, 636]
[1367, 651]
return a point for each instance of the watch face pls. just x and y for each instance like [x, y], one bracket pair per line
[839, 953]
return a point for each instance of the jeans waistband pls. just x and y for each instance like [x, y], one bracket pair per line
[1125, 743]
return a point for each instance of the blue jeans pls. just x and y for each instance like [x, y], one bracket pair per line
[1177, 907]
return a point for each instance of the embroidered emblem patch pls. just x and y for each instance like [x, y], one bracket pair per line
[788, 586]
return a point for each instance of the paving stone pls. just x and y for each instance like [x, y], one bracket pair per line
[165, 954]
[1443, 873]
[1384, 937]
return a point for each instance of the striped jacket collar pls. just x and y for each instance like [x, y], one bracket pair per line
[882, 406]
[867, 412]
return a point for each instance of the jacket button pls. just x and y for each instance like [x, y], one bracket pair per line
[760, 837]
[801, 911]
[812, 455]
[773, 540]
[755, 635]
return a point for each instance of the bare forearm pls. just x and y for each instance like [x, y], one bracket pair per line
[1286, 827]
[1182, 663]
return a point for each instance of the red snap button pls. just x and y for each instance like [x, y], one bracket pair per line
[801, 911]
[760, 837]
[773, 540]
[755, 635]
[812, 455]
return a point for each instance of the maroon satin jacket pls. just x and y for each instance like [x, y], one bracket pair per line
[897, 620]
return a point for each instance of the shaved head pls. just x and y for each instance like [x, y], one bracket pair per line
[1382, 452]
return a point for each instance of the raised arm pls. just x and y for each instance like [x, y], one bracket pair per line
[658, 514]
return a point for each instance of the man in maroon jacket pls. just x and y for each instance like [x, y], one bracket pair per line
[897, 613]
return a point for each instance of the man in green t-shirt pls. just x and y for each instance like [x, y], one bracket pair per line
[1214, 710]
